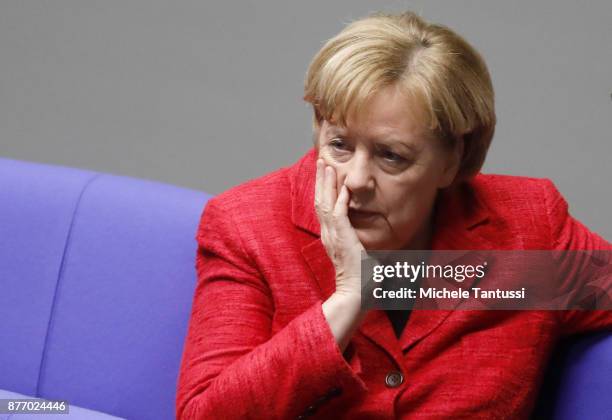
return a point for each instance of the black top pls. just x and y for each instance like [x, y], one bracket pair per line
[398, 319]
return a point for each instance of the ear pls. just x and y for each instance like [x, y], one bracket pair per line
[453, 163]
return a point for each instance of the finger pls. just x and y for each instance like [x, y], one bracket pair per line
[325, 236]
[329, 191]
[319, 181]
[341, 208]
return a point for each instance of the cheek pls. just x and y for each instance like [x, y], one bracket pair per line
[325, 154]
[409, 202]
[394, 200]
[328, 159]
[339, 170]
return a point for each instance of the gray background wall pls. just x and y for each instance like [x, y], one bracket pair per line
[208, 94]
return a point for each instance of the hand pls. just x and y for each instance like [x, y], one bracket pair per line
[337, 234]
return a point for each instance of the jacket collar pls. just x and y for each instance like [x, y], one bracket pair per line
[462, 221]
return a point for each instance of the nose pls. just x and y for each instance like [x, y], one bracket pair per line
[358, 176]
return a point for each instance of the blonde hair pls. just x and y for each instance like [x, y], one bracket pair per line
[430, 62]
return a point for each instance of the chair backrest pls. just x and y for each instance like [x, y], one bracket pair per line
[97, 274]
[578, 381]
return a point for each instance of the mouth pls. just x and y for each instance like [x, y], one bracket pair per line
[361, 215]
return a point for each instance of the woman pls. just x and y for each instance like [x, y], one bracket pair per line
[403, 118]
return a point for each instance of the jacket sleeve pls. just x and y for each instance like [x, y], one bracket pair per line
[232, 365]
[576, 268]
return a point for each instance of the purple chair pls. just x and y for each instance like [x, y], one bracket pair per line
[578, 381]
[97, 274]
[96, 284]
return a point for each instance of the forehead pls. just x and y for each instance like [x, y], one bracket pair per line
[388, 114]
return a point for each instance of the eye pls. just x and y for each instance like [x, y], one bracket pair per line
[338, 144]
[391, 156]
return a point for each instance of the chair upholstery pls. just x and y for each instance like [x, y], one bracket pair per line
[578, 381]
[97, 274]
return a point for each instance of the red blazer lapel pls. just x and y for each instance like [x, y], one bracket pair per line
[462, 221]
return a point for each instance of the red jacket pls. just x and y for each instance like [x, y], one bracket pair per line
[258, 345]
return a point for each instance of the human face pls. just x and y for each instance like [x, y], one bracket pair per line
[393, 169]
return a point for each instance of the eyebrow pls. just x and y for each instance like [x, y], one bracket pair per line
[392, 141]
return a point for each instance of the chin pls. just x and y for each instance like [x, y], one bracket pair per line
[376, 242]
[373, 242]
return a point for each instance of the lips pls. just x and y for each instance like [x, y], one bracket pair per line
[361, 214]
